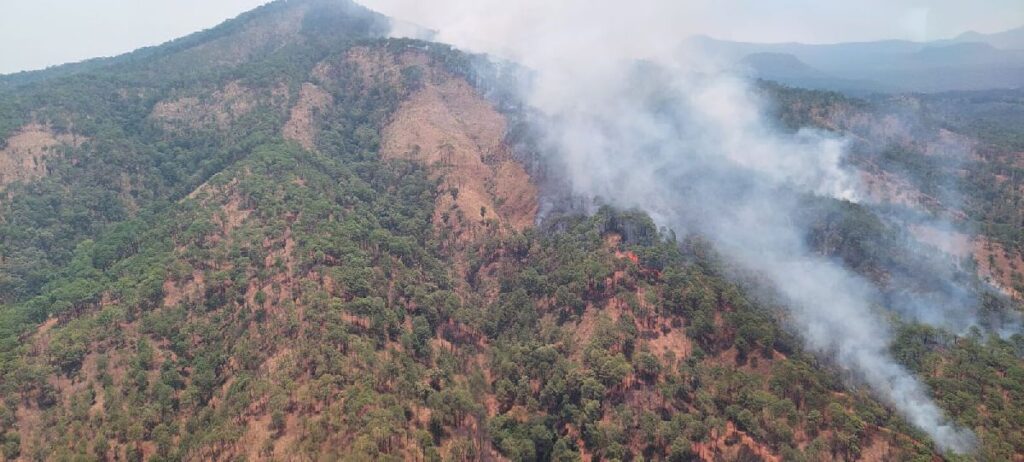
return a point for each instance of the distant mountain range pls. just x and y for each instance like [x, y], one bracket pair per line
[1012, 39]
[971, 61]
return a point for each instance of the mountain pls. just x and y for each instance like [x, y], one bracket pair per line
[782, 67]
[268, 30]
[1012, 39]
[893, 66]
[289, 237]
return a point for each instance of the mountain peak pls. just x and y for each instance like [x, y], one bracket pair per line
[270, 28]
[1012, 39]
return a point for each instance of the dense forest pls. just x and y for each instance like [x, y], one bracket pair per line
[249, 244]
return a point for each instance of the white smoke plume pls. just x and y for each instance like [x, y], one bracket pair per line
[639, 123]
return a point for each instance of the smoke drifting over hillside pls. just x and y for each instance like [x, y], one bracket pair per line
[638, 123]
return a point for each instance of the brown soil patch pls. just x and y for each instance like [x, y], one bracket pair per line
[218, 110]
[517, 193]
[280, 289]
[885, 187]
[999, 267]
[301, 126]
[322, 71]
[949, 242]
[947, 143]
[675, 341]
[879, 449]
[591, 318]
[232, 214]
[191, 290]
[717, 449]
[46, 326]
[41, 339]
[450, 127]
[28, 420]
[172, 295]
[24, 157]
[257, 433]
[377, 65]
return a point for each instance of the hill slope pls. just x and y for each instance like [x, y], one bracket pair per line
[290, 238]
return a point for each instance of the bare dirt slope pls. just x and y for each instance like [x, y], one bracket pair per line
[301, 126]
[24, 157]
[999, 266]
[447, 125]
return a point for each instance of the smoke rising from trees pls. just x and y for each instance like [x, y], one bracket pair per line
[633, 120]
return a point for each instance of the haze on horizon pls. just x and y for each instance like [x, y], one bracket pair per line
[35, 34]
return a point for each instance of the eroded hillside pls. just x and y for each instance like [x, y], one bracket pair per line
[329, 250]
[23, 157]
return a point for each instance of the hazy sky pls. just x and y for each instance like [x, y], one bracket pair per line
[39, 33]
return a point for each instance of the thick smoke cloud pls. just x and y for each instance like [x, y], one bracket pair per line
[636, 122]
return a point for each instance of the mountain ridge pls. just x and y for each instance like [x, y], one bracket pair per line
[271, 13]
[1012, 39]
[326, 246]
[892, 66]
